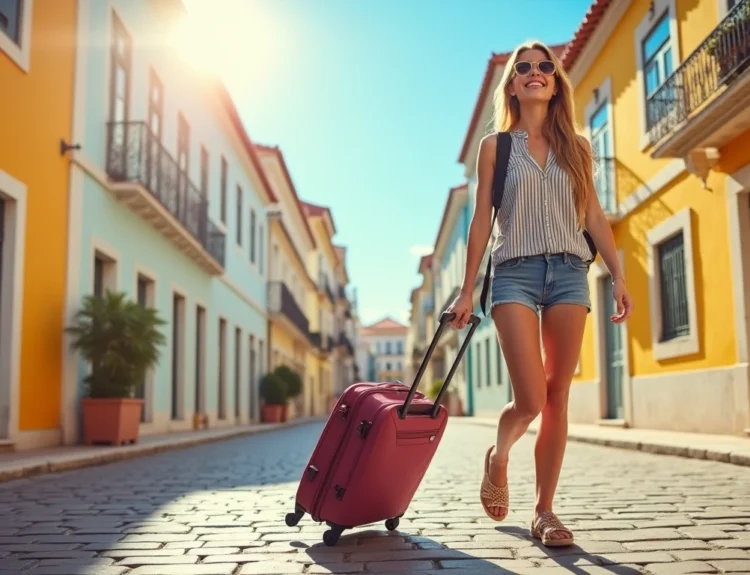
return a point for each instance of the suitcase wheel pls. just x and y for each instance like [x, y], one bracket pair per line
[331, 537]
[392, 524]
[292, 519]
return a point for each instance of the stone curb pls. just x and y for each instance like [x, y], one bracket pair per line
[54, 463]
[655, 447]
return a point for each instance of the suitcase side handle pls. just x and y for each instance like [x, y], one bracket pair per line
[445, 318]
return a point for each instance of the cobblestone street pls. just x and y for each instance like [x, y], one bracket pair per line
[219, 509]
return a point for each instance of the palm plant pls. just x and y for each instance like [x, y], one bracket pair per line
[120, 339]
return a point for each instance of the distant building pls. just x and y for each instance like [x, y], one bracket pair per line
[384, 344]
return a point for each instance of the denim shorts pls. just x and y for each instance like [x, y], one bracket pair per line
[542, 281]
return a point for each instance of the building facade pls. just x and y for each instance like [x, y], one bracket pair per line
[661, 93]
[669, 124]
[385, 346]
[290, 285]
[36, 98]
[421, 326]
[168, 203]
[322, 263]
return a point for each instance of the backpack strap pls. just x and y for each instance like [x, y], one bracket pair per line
[498, 187]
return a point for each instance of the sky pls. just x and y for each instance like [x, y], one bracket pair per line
[370, 101]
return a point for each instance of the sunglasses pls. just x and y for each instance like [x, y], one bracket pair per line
[546, 67]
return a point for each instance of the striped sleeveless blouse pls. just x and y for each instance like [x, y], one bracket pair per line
[537, 215]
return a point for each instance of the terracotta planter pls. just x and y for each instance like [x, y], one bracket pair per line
[272, 413]
[111, 421]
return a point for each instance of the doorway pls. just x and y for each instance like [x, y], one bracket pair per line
[614, 354]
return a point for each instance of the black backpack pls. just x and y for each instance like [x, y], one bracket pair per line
[498, 187]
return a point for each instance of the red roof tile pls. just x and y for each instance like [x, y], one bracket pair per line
[276, 151]
[314, 210]
[583, 34]
[386, 324]
[234, 116]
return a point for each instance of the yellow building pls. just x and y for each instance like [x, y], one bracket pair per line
[344, 328]
[662, 89]
[289, 284]
[321, 306]
[36, 103]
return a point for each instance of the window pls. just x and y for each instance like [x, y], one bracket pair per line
[731, 4]
[183, 156]
[239, 216]
[674, 310]
[237, 371]
[222, 368]
[105, 270]
[674, 330]
[204, 172]
[251, 379]
[252, 235]
[145, 296]
[479, 364]
[119, 92]
[487, 360]
[499, 365]
[657, 56]
[178, 354]
[379, 347]
[399, 347]
[10, 19]
[260, 248]
[200, 360]
[388, 348]
[600, 143]
[261, 368]
[388, 366]
[223, 191]
[155, 124]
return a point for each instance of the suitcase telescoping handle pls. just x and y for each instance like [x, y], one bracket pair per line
[445, 318]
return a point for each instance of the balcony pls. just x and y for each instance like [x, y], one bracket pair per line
[322, 341]
[151, 183]
[342, 293]
[284, 308]
[329, 292]
[345, 342]
[705, 103]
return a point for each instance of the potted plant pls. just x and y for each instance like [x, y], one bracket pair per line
[293, 386]
[730, 43]
[273, 390]
[120, 340]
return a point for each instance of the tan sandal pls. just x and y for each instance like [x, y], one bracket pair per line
[490, 494]
[547, 523]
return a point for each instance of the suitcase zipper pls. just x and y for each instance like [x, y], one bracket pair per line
[417, 434]
[361, 447]
[342, 448]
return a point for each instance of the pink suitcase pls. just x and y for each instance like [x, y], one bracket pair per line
[374, 451]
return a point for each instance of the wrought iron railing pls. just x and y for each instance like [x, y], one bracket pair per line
[134, 154]
[281, 300]
[342, 292]
[322, 341]
[329, 293]
[717, 61]
[346, 342]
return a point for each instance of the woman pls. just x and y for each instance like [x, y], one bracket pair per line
[540, 262]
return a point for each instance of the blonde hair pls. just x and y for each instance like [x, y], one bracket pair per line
[572, 152]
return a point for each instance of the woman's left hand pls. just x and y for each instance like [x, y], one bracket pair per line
[623, 301]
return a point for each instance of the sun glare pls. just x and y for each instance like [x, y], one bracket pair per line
[227, 38]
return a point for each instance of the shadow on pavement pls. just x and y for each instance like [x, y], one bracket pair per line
[573, 558]
[152, 511]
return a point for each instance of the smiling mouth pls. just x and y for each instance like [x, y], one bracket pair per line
[535, 84]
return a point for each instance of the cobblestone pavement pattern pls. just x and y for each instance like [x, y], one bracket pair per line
[219, 510]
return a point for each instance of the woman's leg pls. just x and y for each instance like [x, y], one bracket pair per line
[562, 334]
[518, 332]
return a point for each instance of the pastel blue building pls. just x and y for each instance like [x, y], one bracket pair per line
[168, 203]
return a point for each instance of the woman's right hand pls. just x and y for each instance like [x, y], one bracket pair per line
[463, 307]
